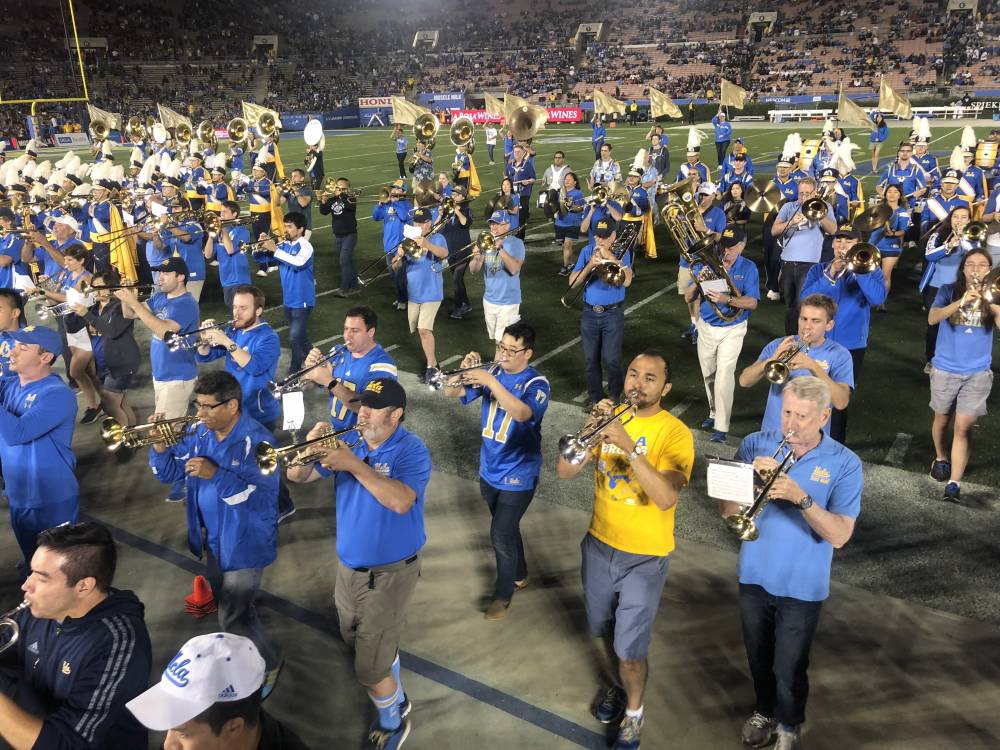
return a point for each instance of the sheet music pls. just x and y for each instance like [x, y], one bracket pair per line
[731, 481]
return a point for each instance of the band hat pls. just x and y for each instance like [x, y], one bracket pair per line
[174, 264]
[499, 217]
[69, 221]
[47, 338]
[635, 172]
[6, 213]
[382, 393]
[208, 669]
[951, 175]
[968, 140]
[43, 171]
[398, 185]
[604, 229]
[82, 190]
[847, 231]
[422, 215]
[733, 236]
[829, 173]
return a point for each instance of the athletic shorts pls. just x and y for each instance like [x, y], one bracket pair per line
[964, 394]
[567, 233]
[118, 383]
[422, 314]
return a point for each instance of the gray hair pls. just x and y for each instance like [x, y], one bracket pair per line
[810, 388]
[808, 181]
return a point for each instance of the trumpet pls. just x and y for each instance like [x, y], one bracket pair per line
[87, 288]
[778, 370]
[8, 622]
[61, 309]
[575, 448]
[744, 523]
[166, 431]
[252, 247]
[295, 381]
[212, 223]
[439, 379]
[178, 341]
[302, 454]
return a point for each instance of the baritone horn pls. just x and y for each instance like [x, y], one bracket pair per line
[307, 452]
[136, 128]
[525, 121]
[267, 125]
[7, 622]
[462, 131]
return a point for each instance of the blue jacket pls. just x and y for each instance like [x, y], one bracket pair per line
[238, 507]
[855, 295]
[78, 674]
[393, 216]
[265, 349]
[723, 129]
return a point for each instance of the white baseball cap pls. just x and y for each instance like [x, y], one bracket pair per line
[68, 221]
[707, 188]
[213, 668]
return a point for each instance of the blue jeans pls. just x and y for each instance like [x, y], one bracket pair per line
[28, 523]
[507, 508]
[602, 335]
[344, 246]
[489, 150]
[298, 335]
[778, 632]
[235, 593]
[398, 278]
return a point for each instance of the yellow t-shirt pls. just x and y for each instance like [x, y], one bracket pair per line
[623, 517]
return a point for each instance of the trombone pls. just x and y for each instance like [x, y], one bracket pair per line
[814, 209]
[296, 380]
[862, 258]
[439, 379]
[166, 431]
[575, 448]
[330, 189]
[299, 454]
[778, 369]
[744, 523]
[8, 622]
[611, 272]
[178, 341]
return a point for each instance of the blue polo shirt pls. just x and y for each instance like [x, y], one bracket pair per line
[831, 356]
[806, 244]
[521, 171]
[265, 349]
[192, 252]
[747, 279]
[510, 457]
[233, 269]
[424, 281]
[401, 143]
[961, 350]
[355, 373]
[369, 534]
[855, 295]
[168, 365]
[598, 292]
[789, 558]
[503, 287]
[571, 219]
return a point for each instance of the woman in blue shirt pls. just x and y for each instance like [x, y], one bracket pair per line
[568, 218]
[945, 250]
[961, 378]
[889, 237]
[510, 202]
[878, 137]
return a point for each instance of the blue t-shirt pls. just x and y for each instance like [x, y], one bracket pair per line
[233, 269]
[401, 143]
[503, 287]
[962, 350]
[898, 222]
[10, 247]
[155, 257]
[789, 558]
[393, 215]
[36, 441]
[192, 252]
[599, 292]
[424, 281]
[264, 347]
[168, 365]
[744, 274]
[368, 533]
[510, 457]
[571, 218]
[355, 373]
[600, 212]
[298, 284]
[831, 356]
[597, 134]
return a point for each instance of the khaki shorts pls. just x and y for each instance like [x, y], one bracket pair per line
[684, 279]
[498, 317]
[172, 398]
[371, 607]
[422, 314]
[964, 394]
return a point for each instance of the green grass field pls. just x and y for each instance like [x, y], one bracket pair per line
[889, 408]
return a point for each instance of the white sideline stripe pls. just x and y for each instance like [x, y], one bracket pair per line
[450, 360]
[899, 447]
[328, 340]
[633, 308]
[280, 329]
[392, 347]
[580, 399]
[683, 406]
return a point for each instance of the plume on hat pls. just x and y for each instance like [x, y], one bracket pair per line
[792, 147]
[968, 140]
[43, 171]
[922, 129]
[842, 159]
[695, 137]
[957, 159]
[639, 162]
[66, 158]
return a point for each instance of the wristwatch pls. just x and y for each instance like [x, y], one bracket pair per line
[639, 450]
[332, 384]
[233, 347]
[805, 502]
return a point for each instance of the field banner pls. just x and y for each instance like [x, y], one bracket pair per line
[556, 114]
[446, 100]
[374, 102]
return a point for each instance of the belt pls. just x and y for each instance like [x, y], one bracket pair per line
[602, 308]
[407, 561]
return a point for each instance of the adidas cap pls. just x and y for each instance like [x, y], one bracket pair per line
[208, 669]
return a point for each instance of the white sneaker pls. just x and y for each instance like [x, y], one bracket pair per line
[773, 296]
[272, 269]
[788, 740]
[261, 272]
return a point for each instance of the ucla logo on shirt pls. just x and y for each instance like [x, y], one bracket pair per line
[381, 468]
[820, 475]
[824, 364]
[30, 399]
[66, 669]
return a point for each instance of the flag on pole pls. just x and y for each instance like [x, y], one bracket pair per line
[493, 105]
[849, 113]
[890, 101]
[113, 120]
[732, 95]
[405, 112]
[122, 246]
[661, 105]
[606, 105]
[171, 118]
[475, 186]
[252, 113]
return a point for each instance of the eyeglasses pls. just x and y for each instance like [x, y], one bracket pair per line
[977, 267]
[200, 406]
[510, 352]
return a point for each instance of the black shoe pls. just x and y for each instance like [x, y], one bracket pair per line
[610, 708]
[565, 271]
[91, 414]
[952, 493]
[940, 469]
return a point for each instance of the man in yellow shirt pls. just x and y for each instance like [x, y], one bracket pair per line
[640, 469]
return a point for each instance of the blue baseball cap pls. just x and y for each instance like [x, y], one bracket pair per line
[46, 338]
[499, 217]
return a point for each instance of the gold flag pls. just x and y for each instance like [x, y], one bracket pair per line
[252, 113]
[405, 112]
[661, 105]
[171, 118]
[493, 105]
[849, 113]
[890, 101]
[113, 120]
[732, 95]
[605, 105]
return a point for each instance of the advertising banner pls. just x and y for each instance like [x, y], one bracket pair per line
[556, 114]
[374, 102]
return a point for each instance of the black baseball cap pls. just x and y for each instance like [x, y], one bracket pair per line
[848, 231]
[733, 236]
[174, 264]
[382, 393]
[604, 228]
[421, 215]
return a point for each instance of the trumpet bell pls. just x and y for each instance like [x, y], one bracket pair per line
[112, 433]
[183, 134]
[135, 128]
[267, 125]
[975, 232]
[743, 526]
[206, 132]
[98, 130]
[572, 450]
[462, 131]
[426, 126]
[267, 458]
[777, 372]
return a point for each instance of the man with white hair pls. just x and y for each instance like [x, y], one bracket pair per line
[784, 575]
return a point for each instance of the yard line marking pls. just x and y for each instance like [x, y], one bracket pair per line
[580, 399]
[392, 347]
[899, 447]
[577, 340]
[280, 329]
[683, 405]
[328, 340]
[449, 361]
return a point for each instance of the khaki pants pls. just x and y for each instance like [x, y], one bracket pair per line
[718, 349]
[195, 288]
[498, 317]
[172, 398]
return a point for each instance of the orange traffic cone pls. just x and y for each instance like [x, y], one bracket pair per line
[201, 601]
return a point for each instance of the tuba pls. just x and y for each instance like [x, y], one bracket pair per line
[135, 128]
[183, 134]
[267, 125]
[425, 127]
[682, 218]
[99, 130]
[206, 133]
[238, 130]
[524, 122]
[462, 131]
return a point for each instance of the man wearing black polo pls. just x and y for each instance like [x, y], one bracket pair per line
[342, 209]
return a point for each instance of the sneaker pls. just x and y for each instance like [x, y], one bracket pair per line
[405, 706]
[466, 308]
[952, 493]
[565, 270]
[176, 496]
[272, 269]
[628, 734]
[286, 514]
[694, 335]
[497, 609]
[788, 739]
[399, 305]
[270, 680]
[940, 469]
[773, 296]
[758, 730]
[718, 436]
[261, 272]
[708, 424]
[611, 707]
[91, 414]
[214, 263]
[456, 314]
[387, 739]
[523, 583]
[690, 333]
